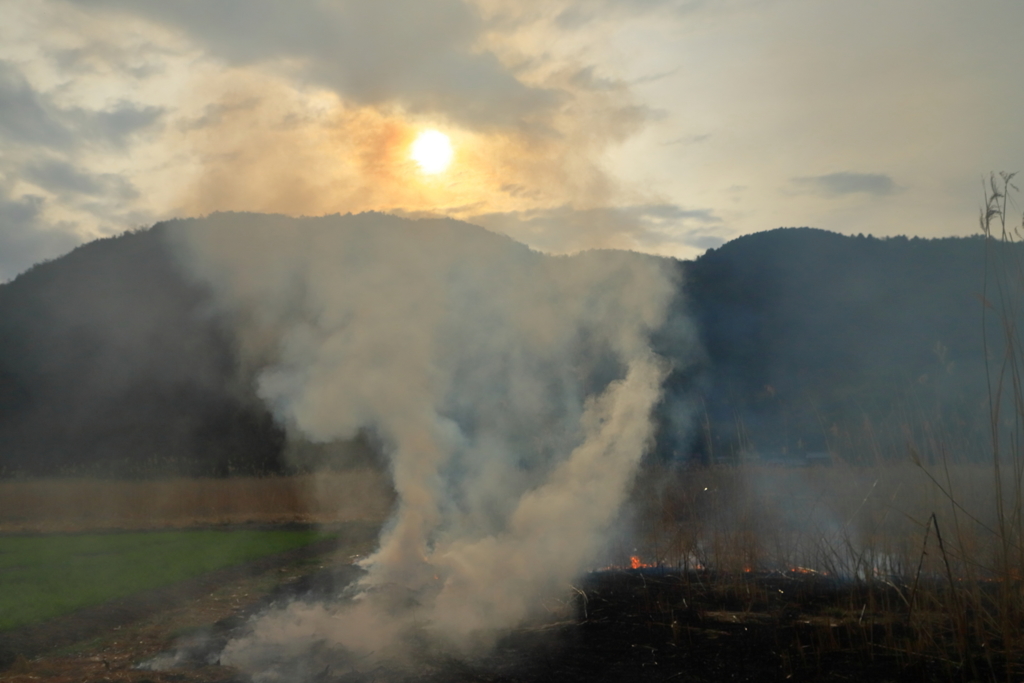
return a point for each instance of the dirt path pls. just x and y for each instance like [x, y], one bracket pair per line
[106, 642]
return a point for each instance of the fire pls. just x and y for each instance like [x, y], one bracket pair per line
[636, 563]
[805, 570]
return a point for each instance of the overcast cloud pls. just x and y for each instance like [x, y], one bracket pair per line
[25, 238]
[651, 228]
[422, 55]
[26, 119]
[845, 182]
[665, 126]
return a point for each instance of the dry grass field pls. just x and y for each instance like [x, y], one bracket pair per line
[922, 563]
[74, 505]
[821, 563]
[846, 521]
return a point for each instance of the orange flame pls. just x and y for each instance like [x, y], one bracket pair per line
[636, 563]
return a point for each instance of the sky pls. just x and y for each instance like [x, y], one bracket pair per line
[662, 126]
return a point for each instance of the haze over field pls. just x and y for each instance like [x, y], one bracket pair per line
[664, 126]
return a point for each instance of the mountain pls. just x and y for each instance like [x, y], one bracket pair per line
[813, 336]
[113, 361]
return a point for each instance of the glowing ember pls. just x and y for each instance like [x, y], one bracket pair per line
[805, 570]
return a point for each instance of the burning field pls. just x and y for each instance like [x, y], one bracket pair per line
[732, 574]
[346, 341]
[508, 393]
[650, 624]
[521, 530]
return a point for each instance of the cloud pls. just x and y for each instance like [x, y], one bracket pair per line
[845, 182]
[689, 140]
[25, 237]
[116, 125]
[702, 239]
[575, 15]
[62, 178]
[214, 114]
[25, 116]
[643, 227]
[424, 57]
[51, 195]
[309, 108]
[265, 145]
[30, 118]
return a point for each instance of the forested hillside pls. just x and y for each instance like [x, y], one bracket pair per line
[111, 361]
[815, 339]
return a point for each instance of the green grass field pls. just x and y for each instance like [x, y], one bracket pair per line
[46, 576]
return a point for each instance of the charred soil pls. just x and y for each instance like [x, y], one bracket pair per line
[689, 627]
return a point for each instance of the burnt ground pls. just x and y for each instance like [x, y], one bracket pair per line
[633, 625]
[656, 625]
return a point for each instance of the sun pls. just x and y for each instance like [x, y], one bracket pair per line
[432, 150]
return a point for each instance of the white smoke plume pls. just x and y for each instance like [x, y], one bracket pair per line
[511, 391]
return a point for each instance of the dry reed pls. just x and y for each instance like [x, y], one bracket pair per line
[72, 505]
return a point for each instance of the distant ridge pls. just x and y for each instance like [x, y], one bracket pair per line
[113, 362]
[808, 331]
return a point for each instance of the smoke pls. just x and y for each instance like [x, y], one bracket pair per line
[511, 391]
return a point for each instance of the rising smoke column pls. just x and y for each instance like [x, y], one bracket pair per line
[512, 393]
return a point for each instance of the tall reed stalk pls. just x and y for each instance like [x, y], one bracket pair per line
[1003, 294]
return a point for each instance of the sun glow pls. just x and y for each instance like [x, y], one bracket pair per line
[432, 150]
